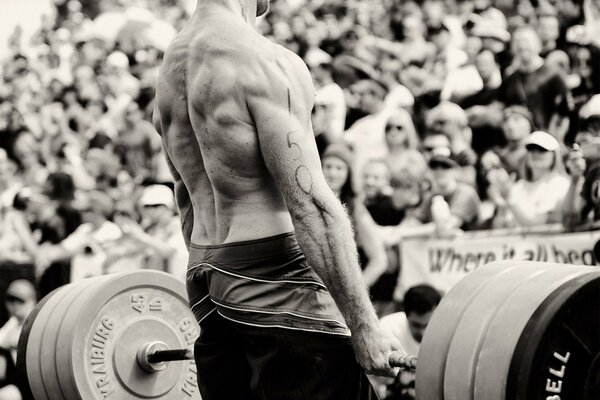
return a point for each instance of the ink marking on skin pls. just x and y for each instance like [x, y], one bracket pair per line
[289, 103]
[304, 179]
[291, 144]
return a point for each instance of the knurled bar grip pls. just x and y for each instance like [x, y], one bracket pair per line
[403, 361]
[170, 355]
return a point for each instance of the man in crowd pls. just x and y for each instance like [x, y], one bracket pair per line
[408, 327]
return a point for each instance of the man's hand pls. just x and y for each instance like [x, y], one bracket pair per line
[372, 347]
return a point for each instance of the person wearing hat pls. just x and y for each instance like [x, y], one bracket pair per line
[158, 236]
[537, 198]
[337, 169]
[462, 199]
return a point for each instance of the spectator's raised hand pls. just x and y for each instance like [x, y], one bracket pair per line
[575, 164]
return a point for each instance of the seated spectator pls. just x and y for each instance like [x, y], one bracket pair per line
[536, 199]
[408, 327]
[337, 169]
[20, 298]
[158, 236]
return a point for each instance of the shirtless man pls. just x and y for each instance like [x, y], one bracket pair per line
[233, 110]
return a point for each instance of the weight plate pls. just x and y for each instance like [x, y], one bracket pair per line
[433, 351]
[499, 344]
[34, 343]
[49, 368]
[473, 324]
[22, 347]
[558, 353]
[115, 320]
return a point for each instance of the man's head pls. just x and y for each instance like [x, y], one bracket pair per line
[376, 177]
[486, 65]
[526, 45]
[20, 298]
[406, 189]
[549, 28]
[419, 303]
[451, 120]
[443, 171]
[517, 124]
[370, 95]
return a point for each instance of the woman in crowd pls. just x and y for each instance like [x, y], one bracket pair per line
[536, 199]
[337, 161]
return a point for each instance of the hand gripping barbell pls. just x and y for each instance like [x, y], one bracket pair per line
[509, 330]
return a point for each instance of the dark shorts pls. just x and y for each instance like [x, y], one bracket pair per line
[269, 327]
[240, 362]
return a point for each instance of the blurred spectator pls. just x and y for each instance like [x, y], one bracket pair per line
[549, 30]
[533, 84]
[20, 298]
[366, 136]
[451, 120]
[86, 246]
[462, 200]
[408, 327]
[17, 242]
[403, 144]
[517, 126]
[481, 108]
[9, 184]
[158, 235]
[138, 143]
[329, 113]
[337, 169]
[376, 190]
[538, 197]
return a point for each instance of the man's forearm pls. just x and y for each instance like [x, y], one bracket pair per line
[325, 235]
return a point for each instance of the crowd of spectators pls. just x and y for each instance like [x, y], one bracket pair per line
[432, 117]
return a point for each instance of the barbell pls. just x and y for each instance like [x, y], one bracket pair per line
[509, 330]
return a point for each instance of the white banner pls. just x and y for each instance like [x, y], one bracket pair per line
[442, 263]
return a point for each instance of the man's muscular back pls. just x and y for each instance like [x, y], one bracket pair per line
[224, 189]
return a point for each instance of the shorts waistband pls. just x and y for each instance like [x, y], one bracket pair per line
[253, 249]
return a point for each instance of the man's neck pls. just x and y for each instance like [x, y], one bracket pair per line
[244, 8]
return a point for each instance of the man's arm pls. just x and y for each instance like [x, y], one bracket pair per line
[282, 118]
